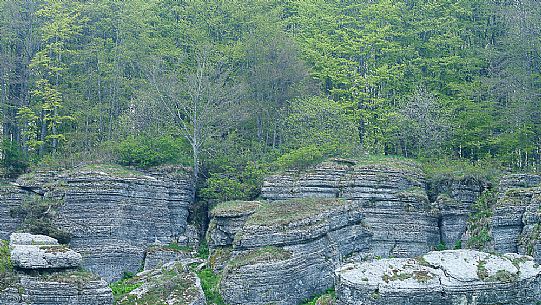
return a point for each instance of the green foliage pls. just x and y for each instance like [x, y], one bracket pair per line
[210, 283]
[14, 160]
[441, 246]
[306, 156]
[7, 276]
[124, 286]
[147, 151]
[5, 261]
[445, 168]
[38, 218]
[480, 221]
[327, 298]
[234, 184]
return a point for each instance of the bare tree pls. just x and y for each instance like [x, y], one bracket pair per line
[201, 103]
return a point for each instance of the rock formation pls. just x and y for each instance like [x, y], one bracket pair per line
[391, 193]
[517, 216]
[10, 198]
[111, 214]
[283, 252]
[41, 252]
[46, 273]
[462, 277]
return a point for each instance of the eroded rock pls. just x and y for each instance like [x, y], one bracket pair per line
[284, 252]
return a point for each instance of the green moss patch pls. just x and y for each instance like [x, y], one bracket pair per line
[261, 255]
[7, 276]
[170, 285]
[234, 208]
[111, 169]
[284, 212]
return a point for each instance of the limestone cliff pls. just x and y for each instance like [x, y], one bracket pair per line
[111, 214]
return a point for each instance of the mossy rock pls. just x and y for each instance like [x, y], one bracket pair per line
[235, 208]
[280, 213]
[262, 255]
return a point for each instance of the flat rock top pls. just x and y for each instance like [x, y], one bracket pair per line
[30, 239]
[444, 269]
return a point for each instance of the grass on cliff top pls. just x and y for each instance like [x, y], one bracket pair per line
[286, 211]
[112, 169]
[234, 207]
[261, 255]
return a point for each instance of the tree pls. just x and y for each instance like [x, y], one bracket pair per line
[201, 102]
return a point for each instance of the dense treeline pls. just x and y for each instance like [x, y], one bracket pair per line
[237, 87]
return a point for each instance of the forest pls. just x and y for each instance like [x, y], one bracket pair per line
[237, 89]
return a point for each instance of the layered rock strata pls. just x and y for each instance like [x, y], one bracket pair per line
[113, 214]
[11, 197]
[283, 252]
[391, 193]
[516, 220]
[462, 277]
[455, 199]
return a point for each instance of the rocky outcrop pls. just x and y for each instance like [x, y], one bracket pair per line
[41, 252]
[159, 255]
[455, 199]
[41, 276]
[171, 284]
[111, 214]
[462, 277]
[283, 252]
[11, 197]
[62, 288]
[391, 193]
[515, 224]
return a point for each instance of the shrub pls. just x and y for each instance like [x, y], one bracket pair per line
[210, 283]
[38, 218]
[146, 151]
[14, 160]
[307, 156]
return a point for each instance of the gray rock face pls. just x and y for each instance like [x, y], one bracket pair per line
[61, 288]
[284, 252]
[10, 198]
[455, 198]
[392, 195]
[515, 224]
[113, 214]
[157, 256]
[41, 276]
[461, 277]
[112, 219]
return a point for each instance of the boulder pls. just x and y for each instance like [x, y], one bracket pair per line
[27, 239]
[464, 277]
[44, 257]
